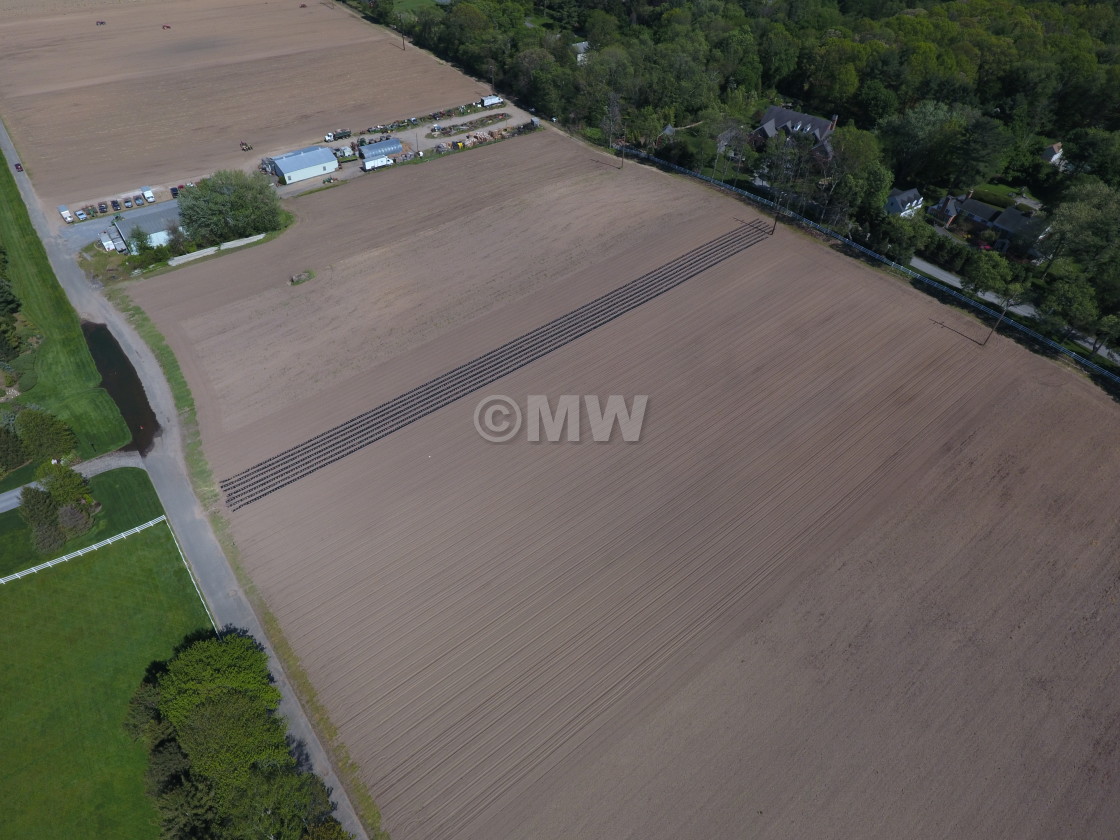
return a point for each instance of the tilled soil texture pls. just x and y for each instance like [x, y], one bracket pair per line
[98, 111]
[857, 578]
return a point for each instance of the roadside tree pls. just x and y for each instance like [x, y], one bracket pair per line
[229, 205]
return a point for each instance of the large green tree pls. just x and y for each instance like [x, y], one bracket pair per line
[229, 205]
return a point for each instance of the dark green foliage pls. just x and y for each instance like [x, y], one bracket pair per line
[37, 507]
[9, 306]
[219, 762]
[12, 453]
[228, 205]
[47, 538]
[43, 435]
[66, 485]
[167, 767]
[74, 519]
[60, 511]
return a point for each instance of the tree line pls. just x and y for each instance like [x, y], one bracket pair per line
[939, 96]
[220, 763]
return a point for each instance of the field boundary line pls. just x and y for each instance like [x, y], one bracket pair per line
[190, 573]
[1092, 367]
[82, 551]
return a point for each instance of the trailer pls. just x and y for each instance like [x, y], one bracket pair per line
[491, 101]
[376, 163]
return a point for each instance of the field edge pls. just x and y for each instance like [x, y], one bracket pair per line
[201, 477]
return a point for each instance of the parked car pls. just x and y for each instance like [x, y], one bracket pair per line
[116, 204]
[102, 207]
[138, 200]
[19, 167]
[128, 203]
[81, 214]
[174, 192]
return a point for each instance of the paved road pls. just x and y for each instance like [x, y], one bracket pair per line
[74, 237]
[167, 468]
[95, 466]
[1024, 309]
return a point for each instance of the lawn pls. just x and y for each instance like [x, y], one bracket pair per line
[66, 382]
[77, 640]
[127, 498]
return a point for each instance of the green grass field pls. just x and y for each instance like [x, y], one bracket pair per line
[66, 380]
[127, 499]
[77, 641]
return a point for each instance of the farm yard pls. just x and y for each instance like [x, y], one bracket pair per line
[140, 99]
[847, 583]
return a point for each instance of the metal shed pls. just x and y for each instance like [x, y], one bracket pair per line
[304, 163]
[383, 149]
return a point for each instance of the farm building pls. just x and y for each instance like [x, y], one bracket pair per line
[383, 149]
[304, 163]
[156, 226]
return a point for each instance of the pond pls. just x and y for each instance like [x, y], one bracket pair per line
[119, 378]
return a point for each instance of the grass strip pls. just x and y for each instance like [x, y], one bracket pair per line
[77, 641]
[66, 381]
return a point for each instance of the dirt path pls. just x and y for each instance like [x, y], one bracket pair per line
[167, 468]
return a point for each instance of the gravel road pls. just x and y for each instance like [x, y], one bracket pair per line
[166, 466]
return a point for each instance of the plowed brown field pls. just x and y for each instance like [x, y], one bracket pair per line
[97, 111]
[857, 579]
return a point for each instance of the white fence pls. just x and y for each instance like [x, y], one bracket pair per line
[80, 552]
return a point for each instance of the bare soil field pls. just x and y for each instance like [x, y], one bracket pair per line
[857, 579]
[97, 111]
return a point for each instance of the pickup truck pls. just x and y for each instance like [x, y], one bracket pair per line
[65, 213]
[149, 196]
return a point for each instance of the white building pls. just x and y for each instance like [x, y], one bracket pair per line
[156, 226]
[904, 203]
[304, 163]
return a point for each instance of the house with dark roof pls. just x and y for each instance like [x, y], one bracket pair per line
[778, 120]
[155, 226]
[904, 203]
[1013, 222]
[946, 210]
[979, 211]
[1053, 154]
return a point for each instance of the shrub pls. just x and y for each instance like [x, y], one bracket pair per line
[66, 485]
[47, 538]
[74, 520]
[37, 508]
[43, 435]
[12, 454]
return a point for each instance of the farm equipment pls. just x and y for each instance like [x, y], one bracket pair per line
[100, 23]
[167, 26]
[246, 147]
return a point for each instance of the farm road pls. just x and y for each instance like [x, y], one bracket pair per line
[167, 468]
[96, 466]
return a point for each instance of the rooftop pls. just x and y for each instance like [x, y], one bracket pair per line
[303, 158]
[165, 218]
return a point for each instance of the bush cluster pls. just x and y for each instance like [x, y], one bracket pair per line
[9, 307]
[219, 761]
[59, 509]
